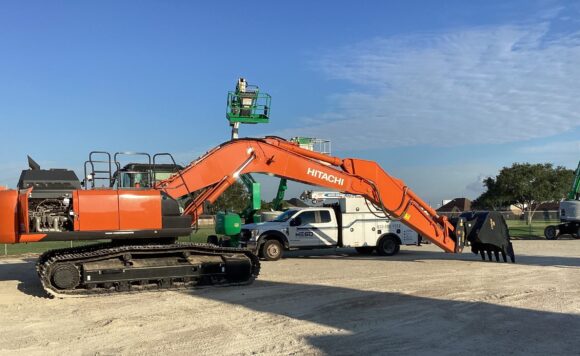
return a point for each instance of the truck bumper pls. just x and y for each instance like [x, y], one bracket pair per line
[250, 245]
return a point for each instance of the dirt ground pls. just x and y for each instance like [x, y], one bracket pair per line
[421, 301]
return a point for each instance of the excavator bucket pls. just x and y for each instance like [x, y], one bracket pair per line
[487, 234]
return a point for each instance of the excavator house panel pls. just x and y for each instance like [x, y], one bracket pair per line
[8, 216]
[139, 209]
[97, 210]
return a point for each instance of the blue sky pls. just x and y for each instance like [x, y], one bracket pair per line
[441, 93]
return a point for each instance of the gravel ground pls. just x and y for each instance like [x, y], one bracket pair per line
[421, 301]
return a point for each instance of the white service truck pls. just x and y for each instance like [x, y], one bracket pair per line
[351, 222]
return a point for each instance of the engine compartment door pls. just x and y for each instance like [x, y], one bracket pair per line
[24, 221]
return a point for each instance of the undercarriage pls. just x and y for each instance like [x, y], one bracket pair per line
[113, 268]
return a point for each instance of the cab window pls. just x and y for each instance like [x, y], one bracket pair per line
[325, 216]
[307, 217]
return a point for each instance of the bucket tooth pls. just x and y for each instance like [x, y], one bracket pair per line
[510, 252]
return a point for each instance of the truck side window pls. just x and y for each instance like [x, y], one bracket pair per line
[325, 216]
[307, 217]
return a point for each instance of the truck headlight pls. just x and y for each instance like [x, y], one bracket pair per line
[255, 234]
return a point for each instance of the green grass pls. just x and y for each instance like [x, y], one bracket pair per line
[39, 247]
[520, 230]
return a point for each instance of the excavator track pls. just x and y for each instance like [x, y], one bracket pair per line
[111, 268]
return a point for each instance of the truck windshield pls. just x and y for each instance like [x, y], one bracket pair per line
[285, 216]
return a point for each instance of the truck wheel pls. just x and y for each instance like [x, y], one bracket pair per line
[388, 246]
[272, 250]
[551, 232]
[364, 250]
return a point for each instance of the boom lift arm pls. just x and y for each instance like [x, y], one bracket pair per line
[219, 168]
[574, 193]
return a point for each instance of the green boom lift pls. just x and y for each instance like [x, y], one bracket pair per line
[245, 105]
[569, 213]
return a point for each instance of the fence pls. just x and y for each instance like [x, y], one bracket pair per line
[541, 215]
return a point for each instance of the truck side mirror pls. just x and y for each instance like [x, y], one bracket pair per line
[296, 221]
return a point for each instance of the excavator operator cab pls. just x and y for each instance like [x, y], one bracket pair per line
[104, 170]
[139, 175]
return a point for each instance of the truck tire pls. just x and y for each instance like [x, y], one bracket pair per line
[388, 246]
[551, 232]
[364, 250]
[272, 250]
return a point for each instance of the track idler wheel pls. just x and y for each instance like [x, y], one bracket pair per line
[65, 276]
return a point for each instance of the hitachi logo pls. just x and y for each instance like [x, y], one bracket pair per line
[325, 176]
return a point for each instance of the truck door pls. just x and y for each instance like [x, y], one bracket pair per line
[327, 228]
[303, 235]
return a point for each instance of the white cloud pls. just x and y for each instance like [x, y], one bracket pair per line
[564, 153]
[478, 86]
[563, 147]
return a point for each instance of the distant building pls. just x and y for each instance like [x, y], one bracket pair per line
[455, 207]
[546, 211]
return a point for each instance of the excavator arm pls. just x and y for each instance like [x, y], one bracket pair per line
[210, 175]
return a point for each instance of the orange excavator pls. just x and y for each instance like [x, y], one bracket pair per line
[142, 222]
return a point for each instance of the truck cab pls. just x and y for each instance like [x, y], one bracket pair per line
[348, 223]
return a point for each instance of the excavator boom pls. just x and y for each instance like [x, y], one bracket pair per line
[220, 167]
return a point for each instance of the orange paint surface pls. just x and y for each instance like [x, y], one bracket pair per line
[31, 237]
[8, 216]
[97, 210]
[139, 209]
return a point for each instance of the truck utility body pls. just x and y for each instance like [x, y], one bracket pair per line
[352, 222]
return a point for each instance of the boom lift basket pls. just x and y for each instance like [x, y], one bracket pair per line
[249, 107]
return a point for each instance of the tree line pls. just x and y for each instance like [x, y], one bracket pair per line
[525, 186]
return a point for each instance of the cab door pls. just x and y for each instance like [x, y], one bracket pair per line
[301, 229]
[315, 228]
[326, 228]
